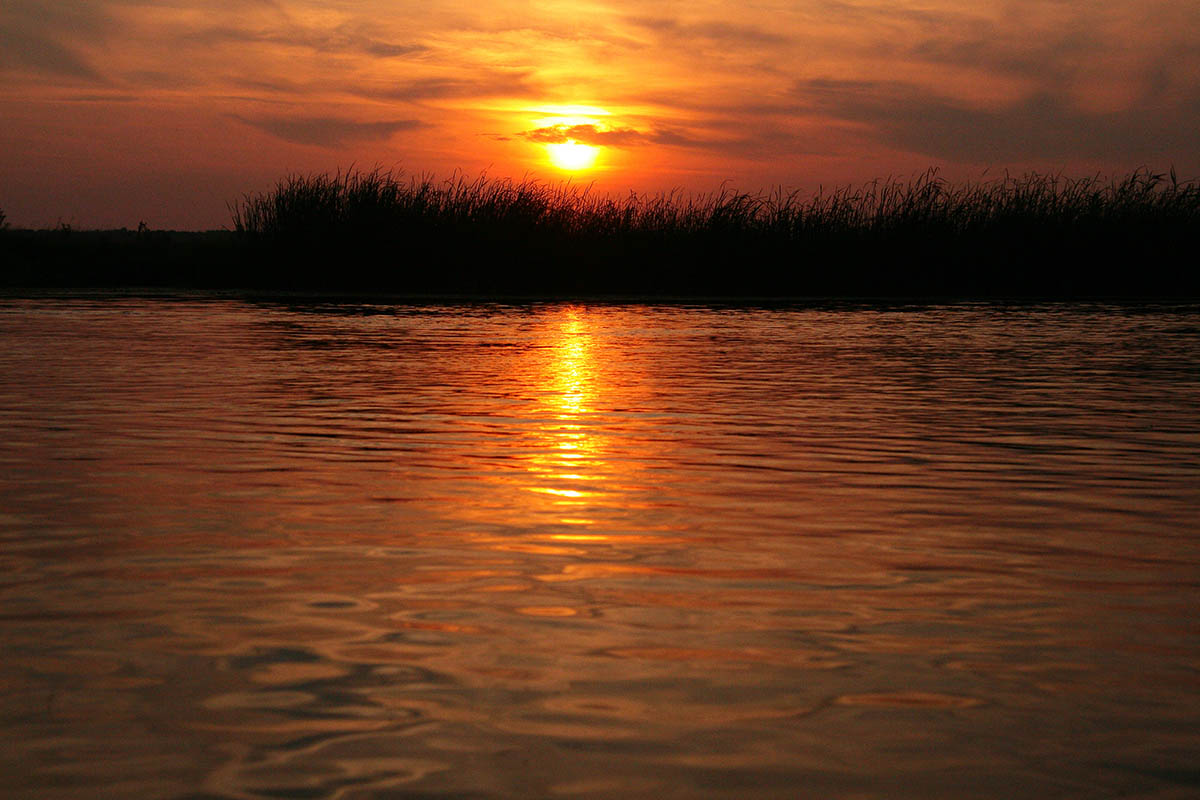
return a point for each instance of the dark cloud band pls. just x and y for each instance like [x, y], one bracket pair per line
[329, 131]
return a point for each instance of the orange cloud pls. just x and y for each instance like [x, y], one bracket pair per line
[607, 137]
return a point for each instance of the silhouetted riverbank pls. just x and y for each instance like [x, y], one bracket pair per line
[71, 258]
[1035, 235]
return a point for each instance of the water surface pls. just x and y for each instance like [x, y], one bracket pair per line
[322, 550]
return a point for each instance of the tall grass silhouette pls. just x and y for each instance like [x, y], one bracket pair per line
[374, 202]
[1013, 233]
[379, 231]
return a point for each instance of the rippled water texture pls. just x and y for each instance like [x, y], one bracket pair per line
[268, 550]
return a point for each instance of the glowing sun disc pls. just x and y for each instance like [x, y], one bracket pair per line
[571, 155]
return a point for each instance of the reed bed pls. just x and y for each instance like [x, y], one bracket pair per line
[383, 203]
[1025, 235]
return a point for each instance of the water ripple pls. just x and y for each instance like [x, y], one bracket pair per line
[259, 549]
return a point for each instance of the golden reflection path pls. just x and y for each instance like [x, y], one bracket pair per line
[559, 485]
[569, 460]
[562, 476]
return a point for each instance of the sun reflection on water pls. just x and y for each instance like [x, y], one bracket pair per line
[574, 366]
[670, 545]
[570, 456]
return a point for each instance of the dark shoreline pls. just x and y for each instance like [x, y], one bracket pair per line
[300, 298]
[375, 235]
[226, 261]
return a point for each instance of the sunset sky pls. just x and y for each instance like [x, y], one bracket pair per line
[116, 111]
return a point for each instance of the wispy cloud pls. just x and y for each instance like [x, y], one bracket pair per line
[515, 83]
[711, 31]
[329, 131]
[1042, 125]
[586, 134]
[44, 36]
[20, 50]
[343, 38]
[606, 137]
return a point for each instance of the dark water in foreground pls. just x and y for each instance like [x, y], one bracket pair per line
[260, 551]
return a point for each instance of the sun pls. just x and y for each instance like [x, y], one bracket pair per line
[571, 155]
[561, 130]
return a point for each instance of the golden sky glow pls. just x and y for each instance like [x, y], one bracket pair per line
[121, 110]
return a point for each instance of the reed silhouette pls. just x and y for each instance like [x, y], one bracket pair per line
[1028, 234]
[379, 231]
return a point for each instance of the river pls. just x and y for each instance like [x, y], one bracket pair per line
[294, 548]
